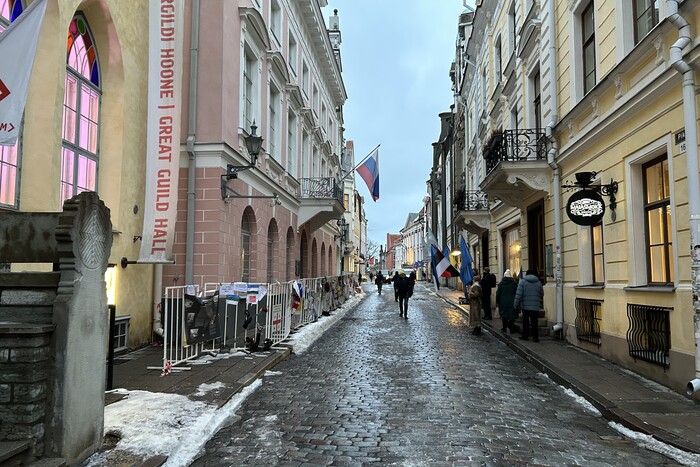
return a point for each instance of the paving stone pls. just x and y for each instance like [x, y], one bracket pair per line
[377, 389]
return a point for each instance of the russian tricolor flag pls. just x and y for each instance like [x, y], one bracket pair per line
[369, 171]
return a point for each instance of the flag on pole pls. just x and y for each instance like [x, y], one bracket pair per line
[369, 171]
[466, 273]
[520, 276]
[16, 70]
[443, 268]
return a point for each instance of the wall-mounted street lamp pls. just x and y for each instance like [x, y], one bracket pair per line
[586, 206]
[253, 143]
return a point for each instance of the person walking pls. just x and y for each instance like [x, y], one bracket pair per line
[505, 296]
[528, 298]
[379, 281]
[395, 280]
[404, 287]
[488, 282]
[413, 278]
[475, 305]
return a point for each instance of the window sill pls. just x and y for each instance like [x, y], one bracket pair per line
[591, 286]
[651, 288]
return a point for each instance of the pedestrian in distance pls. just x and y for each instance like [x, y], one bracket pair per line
[404, 288]
[528, 298]
[413, 278]
[488, 283]
[395, 280]
[475, 305]
[379, 281]
[505, 296]
[359, 278]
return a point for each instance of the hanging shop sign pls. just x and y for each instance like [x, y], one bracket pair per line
[585, 207]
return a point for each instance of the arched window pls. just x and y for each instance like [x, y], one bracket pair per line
[314, 259]
[246, 246]
[9, 155]
[81, 112]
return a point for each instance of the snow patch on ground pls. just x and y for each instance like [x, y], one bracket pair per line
[205, 388]
[648, 442]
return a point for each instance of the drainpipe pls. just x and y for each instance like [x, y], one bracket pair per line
[691, 139]
[192, 125]
[551, 160]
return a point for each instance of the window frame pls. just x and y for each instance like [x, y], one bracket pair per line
[664, 205]
[246, 246]
[74, 146]
[595, 280]
[587, 42]
[655, 8]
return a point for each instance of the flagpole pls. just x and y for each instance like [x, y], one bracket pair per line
[360, 163]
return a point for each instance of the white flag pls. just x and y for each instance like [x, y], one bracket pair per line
[17, 50]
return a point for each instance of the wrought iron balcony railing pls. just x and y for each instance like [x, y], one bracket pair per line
[471, 200]
[514, 146]
[320, 188]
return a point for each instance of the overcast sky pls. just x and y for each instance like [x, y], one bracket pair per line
[396, 57]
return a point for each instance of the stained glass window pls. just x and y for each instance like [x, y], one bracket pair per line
[81, 112]
[9, 157]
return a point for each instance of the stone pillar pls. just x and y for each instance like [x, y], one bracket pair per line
[75, 421]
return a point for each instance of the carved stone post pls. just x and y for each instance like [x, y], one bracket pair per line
[75, 421]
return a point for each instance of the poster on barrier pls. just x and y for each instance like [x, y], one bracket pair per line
[201, 319]
[277, 318]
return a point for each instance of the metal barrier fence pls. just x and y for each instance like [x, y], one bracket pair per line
[244, 316]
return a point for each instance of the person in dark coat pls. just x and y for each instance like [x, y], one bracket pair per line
[379, 281]
[528, 298]
[404, 289]
[413, 277]
[488, 282]
[475, 305]
[505, 296]
[395, 280]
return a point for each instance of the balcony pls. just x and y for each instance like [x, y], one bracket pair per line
[472, 211]
[321, 201]
[516, 166]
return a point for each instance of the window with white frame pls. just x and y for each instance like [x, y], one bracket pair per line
[250, 72]
[646, 16]
[274, 124]
[291, 143]
[315, 162]
[121, 333]
[650, 215]
[276, 20]
[324, 118]
[591, 255]
[292, 53]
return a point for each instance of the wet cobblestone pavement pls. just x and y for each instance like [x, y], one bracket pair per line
[383, 390]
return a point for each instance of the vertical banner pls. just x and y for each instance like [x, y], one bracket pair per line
[165, 31]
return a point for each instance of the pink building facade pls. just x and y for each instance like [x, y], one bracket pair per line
[272, 64]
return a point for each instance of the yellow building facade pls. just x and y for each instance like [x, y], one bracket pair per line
[85, 128]
[551, 91]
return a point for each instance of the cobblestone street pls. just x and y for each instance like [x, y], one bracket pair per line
[381, 389]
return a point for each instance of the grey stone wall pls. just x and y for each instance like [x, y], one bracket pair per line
[24, 367]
